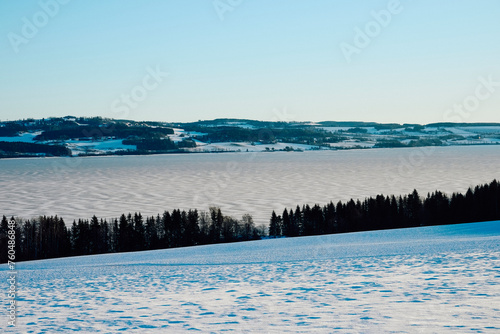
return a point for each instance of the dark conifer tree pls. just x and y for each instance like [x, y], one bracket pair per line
[307, 221]
[94, 235]
[176, 229]
[4, 225]
[286, 230]
[393, 212]
[74, 238]
[204, 223]
[114, 242]
[63, 241]
[218, 223]
[139, 232]
[104, 245]
[29, 246]
[167, 227]
[124, 234]
[414, 207]
[296, 222]
[341, 221]
[317, 220]
[330, 223]
[353, 215]
[182, 231]
[192, 230]
[274, 229]
[215, 224]
[151, 234]
[160, 233]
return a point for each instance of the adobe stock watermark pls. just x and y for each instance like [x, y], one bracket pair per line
[234, 169]
[32, 26]
[12, 273]
[282, 115]
[127, 101]
[485, 88]
[410, 164]
[371, 30]
[223, 6]
[460, 112]
[121, 106]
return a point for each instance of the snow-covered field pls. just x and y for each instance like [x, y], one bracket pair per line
[249, 147]
[26, 137]
[420, 280]
[97, 147]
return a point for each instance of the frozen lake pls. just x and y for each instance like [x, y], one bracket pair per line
[439, 279]
[239, 183]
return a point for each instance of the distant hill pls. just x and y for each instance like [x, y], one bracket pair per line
[83, 136]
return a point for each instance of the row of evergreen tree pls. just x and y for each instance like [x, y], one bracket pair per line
[481, 203]
[8, 149]
[48, 237]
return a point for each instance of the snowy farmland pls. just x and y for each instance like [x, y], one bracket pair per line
[429, 279]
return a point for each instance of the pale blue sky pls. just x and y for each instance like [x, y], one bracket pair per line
[269, 60]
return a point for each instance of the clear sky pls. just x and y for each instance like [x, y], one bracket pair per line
[408, 61]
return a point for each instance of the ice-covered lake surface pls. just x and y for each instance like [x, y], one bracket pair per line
[419, 280]
[254, 183]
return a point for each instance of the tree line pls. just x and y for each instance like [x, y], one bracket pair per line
[48, 237]
[226, 133]
[158, 144]
[481, 203]
[117, 130]
[8, 149]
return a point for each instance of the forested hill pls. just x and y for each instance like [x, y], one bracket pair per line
[84, 136]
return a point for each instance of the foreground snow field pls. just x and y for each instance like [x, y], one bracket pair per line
[429, 279]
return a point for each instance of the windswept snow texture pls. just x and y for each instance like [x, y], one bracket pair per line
[426, 280]
[254, 183]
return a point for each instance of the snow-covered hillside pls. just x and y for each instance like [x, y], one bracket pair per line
[318, 137]
[428, 280]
